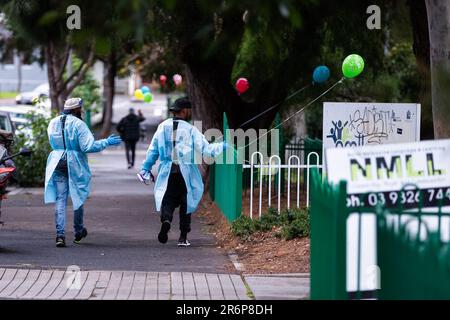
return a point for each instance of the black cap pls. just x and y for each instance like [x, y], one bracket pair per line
[181, 103]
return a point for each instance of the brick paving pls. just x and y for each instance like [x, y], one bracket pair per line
[119, 285]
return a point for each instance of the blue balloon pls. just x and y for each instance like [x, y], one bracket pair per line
[321, 74]
[145, 89]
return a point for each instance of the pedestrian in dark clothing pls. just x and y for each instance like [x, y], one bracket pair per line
[129, 130]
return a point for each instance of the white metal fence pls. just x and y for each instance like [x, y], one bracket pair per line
[269, 178]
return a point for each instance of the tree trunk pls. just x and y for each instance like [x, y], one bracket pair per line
[109, 76]
[439, 21]
[211, 93]
[52, 78]
[56, 58]
[206, 108]
[208, 79]
[421, 48]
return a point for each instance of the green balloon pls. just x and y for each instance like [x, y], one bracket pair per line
[148, 97]
[352, 66]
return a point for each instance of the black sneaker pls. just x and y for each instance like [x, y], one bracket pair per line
[80, 235]
[183, 241]
[60, 241]
[162, 236]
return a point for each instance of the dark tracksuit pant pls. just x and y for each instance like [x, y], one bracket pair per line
[130, 147]
[176, 196]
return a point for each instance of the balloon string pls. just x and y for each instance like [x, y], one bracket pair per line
[274, 106]
[271, 108]
[296, 113]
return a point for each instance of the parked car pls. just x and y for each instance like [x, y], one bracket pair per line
[18, 119]
[5, 122]
[28, 97]
[7, 165]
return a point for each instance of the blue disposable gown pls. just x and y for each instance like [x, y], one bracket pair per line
[79, 141]
[190, 143]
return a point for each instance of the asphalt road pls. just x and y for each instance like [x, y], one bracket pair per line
[154, 112]
[122, 224]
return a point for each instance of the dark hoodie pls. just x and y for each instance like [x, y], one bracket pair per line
[129, 127]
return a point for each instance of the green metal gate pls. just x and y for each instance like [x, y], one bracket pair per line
[328, 232]
[226, 182]
[411, 266]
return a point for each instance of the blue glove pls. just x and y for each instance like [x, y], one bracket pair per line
[114, 140]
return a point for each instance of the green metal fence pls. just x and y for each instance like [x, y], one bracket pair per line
[413, 265]
[226, 182]
[328, 234]
[412, 268]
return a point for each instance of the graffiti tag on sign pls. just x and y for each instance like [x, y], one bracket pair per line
[361, 124]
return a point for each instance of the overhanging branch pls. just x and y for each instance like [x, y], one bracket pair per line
[78, 76]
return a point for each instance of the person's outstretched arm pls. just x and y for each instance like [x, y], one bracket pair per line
[152, 153]
[141, 116]
[87, 142]
[204, 147]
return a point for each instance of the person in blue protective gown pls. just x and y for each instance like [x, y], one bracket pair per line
[67, 172]
[179, 183]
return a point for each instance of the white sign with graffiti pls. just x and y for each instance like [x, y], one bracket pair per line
[362, 124]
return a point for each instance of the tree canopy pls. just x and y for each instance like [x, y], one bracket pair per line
[275, 44]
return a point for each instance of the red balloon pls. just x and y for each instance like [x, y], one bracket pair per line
[242, 85]
[163, 79]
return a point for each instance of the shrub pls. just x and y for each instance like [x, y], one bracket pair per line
[269, 220]
[31, 170]
[294, 223]
[243, 227]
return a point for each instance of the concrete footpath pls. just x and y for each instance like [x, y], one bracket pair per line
[74, 284]
[119, 285]
[279, 286]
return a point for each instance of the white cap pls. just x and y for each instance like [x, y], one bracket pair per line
[73, 103]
